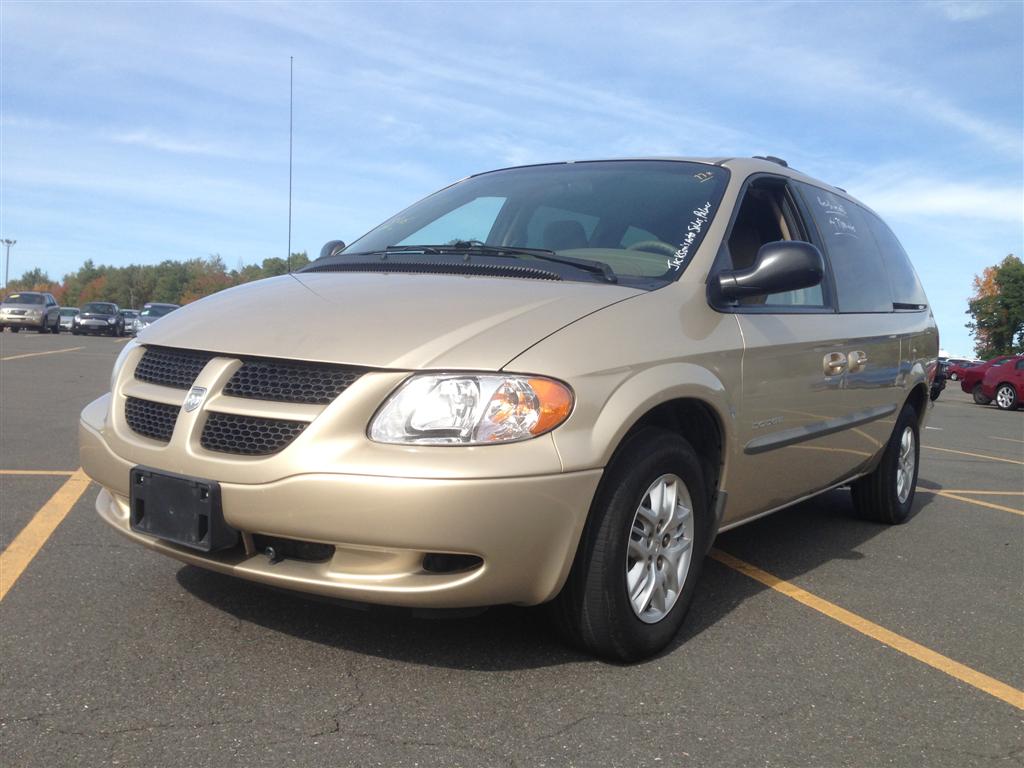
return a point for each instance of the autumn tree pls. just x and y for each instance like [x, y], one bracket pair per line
[997, 309]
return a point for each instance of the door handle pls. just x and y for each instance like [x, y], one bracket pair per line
[834, 363]
[857, 360]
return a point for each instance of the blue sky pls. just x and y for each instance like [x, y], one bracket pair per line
[135, 132]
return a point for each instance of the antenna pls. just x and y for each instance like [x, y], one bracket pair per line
[291, 100]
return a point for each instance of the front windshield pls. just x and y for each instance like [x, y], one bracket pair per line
[68, 312]
[99, 308]
[643, 218]
[157, 311]
[24, 298]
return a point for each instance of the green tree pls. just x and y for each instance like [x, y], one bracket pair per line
[997, 309]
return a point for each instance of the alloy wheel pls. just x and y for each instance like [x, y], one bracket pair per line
[906, 463]
[660, 548]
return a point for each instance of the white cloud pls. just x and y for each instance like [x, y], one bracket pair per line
[967, 10]
[164, 143]
[925, 197]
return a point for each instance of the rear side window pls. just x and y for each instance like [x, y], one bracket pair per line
[907, 292]
[860, 274]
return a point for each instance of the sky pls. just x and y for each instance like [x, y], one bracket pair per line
[138, 132]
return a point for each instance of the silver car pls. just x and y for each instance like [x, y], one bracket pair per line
[30, 309]
[67, 317]
[152, 312]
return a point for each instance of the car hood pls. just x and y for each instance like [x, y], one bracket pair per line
[393, 320]
[94, 315]
[22, 306]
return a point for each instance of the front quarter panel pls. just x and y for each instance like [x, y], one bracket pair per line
[626, 359]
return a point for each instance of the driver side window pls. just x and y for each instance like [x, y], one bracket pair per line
[767, 215]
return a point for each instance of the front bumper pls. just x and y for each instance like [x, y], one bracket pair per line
[22, 321]
[92, 326]
[524, 529]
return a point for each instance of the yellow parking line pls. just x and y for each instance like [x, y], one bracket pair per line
[972, 492]
[62, 472]
[26, 545]
[980, 503]
[954, 669]
[1007, 439]
[975, 455]
[37, 354]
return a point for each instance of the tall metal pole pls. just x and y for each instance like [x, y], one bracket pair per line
[7, 268]
[291, 100]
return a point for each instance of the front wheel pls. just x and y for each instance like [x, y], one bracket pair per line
[887, 494]
[979, 398]
[641, 553]
[1006, 397]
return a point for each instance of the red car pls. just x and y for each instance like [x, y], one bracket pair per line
[970, 378]
[1004, 383]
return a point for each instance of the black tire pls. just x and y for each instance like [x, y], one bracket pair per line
[14, 329]
[1006, 397]
[593, 610]
[875, 496]
[979, 398]
[74, 331]
[44, 328]
[56, 326]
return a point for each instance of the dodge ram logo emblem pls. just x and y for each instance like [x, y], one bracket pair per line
[195, 398]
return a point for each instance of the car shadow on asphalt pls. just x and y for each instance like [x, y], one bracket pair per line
[789, 543]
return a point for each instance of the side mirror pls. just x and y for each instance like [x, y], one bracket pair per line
[785, 265]
[332, 248]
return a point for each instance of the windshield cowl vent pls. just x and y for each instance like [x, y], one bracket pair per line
[439, 268]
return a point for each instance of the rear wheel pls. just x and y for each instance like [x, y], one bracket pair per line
[887, 494]
[641, 553]
[1006, 397]
[979, 398]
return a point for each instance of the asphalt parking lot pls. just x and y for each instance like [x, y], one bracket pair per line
[816, 639]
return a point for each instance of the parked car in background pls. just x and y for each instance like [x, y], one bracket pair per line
[970, 378]
[67, 317]
[555, 383]
[103, 317]
[153, 311]
[1004, 383]
[35, 310]
[955, 367]
[131, 321]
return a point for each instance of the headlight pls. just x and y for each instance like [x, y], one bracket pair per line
[119, 363]
[111, 320]
[469, 409]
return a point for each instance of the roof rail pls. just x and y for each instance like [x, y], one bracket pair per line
[772, 159]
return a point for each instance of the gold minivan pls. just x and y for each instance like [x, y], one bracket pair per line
[553, 383]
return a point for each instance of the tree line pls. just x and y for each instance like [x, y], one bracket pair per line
[172, 282]
[997, 309]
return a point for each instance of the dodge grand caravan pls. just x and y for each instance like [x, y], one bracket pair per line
[554, 383]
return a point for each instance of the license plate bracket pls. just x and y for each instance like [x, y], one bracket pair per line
[180, 509]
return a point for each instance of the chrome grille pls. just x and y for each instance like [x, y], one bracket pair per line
[248, 435]
[288, 381]
[155, 420]
[168, 367]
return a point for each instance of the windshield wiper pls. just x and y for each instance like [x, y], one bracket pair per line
[470, 247]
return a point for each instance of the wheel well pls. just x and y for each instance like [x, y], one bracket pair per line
[918, 400]
[696, 421]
